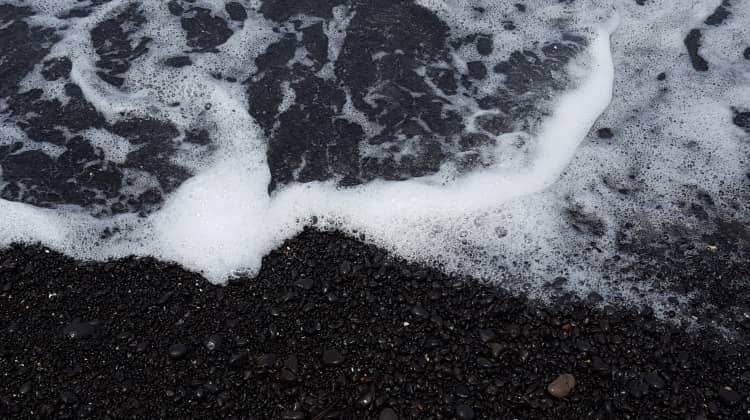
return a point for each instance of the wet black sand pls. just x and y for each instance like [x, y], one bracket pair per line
[334, 328]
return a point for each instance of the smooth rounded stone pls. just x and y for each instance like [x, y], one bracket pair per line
[605, 133]
[495, 348]
[484, 45]
[25, 388]
[239, 359]
[419, 311]
[477, 70]
[594, 297]
[236, 11]
[305, 283]
[292, 363]
[78, 329]
[178, 61]
[728, 395]
[68, 397]
[266, 360]
[332, 357]
[464, 412]
[292, 415]
[654, 380]
[562, 386]
[177, 351]
[599, 365]
[559, 282]
[462, 391]
[287, 375]
[388, 414]
[487, 335]
[484, 363]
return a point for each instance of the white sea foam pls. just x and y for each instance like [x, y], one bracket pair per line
[500, 222]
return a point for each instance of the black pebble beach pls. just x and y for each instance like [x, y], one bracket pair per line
[334, 328]
[108, 109]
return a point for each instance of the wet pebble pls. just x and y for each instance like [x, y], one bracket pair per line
[304, 283]
[464, 412]
[178, 350]
[79, 329]
[332, 357]
[654, 380]
[388, 414]
[728, 395]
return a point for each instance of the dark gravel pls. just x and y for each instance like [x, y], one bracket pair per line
[334, 328]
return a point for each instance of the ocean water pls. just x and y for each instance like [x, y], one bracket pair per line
[514, 141]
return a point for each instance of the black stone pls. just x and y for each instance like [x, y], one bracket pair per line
[464, 412]
[654, 380]
[477, 70]
[728, 396]
[78, 329]
[720, 14]
[484, 45]
[304, 283]
[487, 335]
[742, 120]
[236, 11]
[605, 133]
[693, 44]
[239, 359]
[203, 30]
[388, 414]
[178, 61]
[332, 357]
[178, 351]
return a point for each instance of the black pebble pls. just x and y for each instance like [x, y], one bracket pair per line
[177, 351]
[332, 357]
[292, 415]
[464, 412]
[484, 45]
[462, 391]
[266, 361]
[388, 414]
[605, 133]
[746, 53]
[236, 11]
[239, 359]
[594, 297]
[305, 283]
[78, 329]
[487, 335]
[661, 76]
[477, 70]
[419, 311]
[179, 61]
[728, 395]
[654, 380]
[68, 398]
[693, 44]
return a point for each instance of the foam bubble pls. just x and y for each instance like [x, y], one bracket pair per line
[544, 192]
